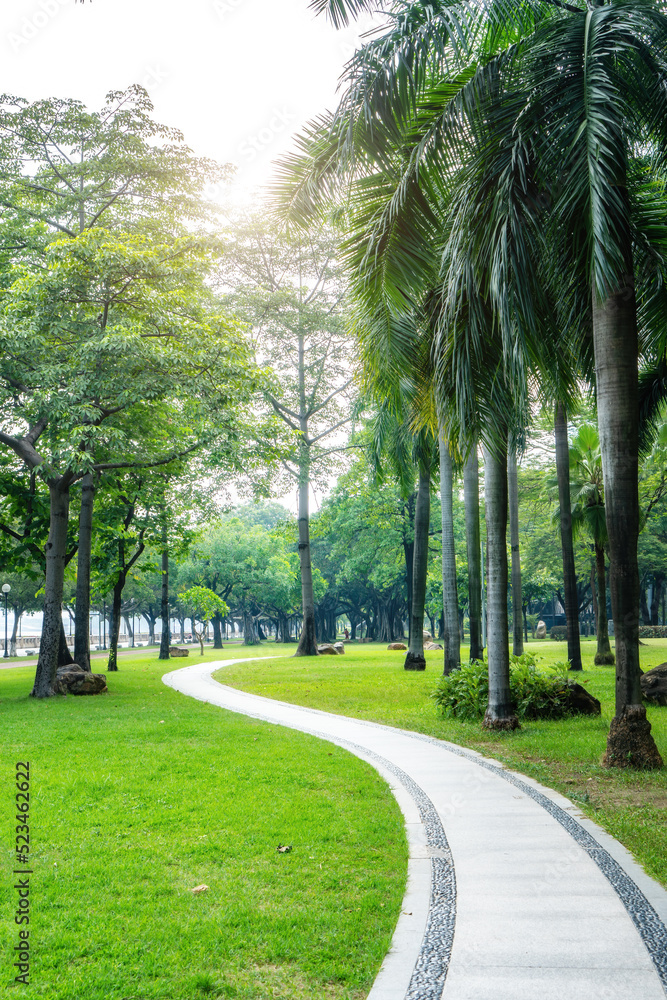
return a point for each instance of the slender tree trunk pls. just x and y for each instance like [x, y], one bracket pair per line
[217, 630]
[658, 582]
[409, 553]
[415, 659]
[570, 595]
[64, 655]
[604, 654]
[114, 625]
[616, 351]
[52, 625]
[249, 633]
[308, 640]
[594, 598]
[82, 608]
[499, 714]
[450, 599]
[643, 606]
[150, 621]
[18, 614]
[517, 598]
[165, 636]
[474, 553]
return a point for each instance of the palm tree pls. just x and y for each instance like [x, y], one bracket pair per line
[588, 514]
[575, 90]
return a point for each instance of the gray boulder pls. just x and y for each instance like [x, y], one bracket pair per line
[654, 685]
[327, 649]
[73, 679]
[177, 651]
[339, 647]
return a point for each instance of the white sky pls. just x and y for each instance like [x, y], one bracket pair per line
[237, 77]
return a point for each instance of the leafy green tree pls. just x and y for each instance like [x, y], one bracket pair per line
[290, 292]
[201, 605]
[104, 307]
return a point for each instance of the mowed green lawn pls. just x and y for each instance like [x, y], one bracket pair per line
[141, 795]
[369, 682]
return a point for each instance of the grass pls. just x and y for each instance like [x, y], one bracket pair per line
[369, 683]
[140, 795]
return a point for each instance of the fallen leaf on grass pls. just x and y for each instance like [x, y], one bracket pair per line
[199, 888]
[284, 848]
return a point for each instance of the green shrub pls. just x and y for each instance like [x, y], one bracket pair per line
[559, 633]
[464, 694]
[653, 631]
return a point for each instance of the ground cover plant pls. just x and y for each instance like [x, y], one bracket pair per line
[369, 682]
[141, 795]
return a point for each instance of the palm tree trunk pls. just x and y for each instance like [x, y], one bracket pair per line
[82, 607]
[499, 714]
[415, 659]
[616, 351]
[517, 600]
[474, 553]
[604, 654]
[567, 546]
[450, 601]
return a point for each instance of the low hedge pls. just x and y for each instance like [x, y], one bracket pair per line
[653, 631]
[559, 633]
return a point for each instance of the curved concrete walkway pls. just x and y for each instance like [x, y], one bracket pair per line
[512, 894]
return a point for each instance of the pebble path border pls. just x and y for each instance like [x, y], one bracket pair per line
[428, 978]
[651, 928]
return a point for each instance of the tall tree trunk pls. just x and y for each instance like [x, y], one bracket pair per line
[415, 659]
[499, 714]
[474, 553]
[517, 598]
[658, 582]
[409, 552]
[308, 640]
[217, 630]
[114, 625]
[604, 654]
[52, 625]
[450, 599]
[616, 352]
[594, 596]
[165, 636]
[570, 595]
[82, 608]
